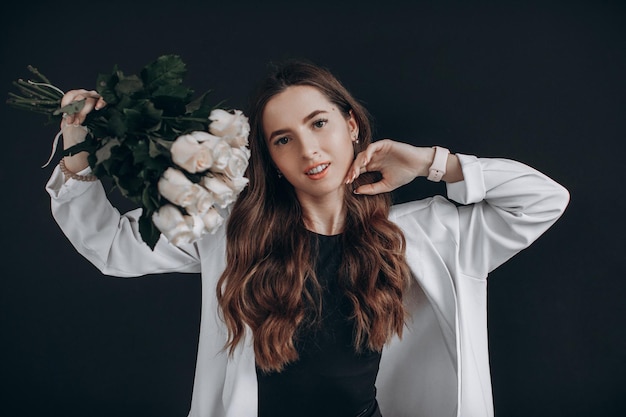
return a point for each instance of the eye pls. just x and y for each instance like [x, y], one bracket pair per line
[320, 123]
[281, 141]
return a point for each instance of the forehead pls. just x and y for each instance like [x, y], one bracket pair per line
[293, 105]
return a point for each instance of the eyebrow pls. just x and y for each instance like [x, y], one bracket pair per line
[306, 119]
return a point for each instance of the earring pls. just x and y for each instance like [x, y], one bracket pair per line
[280, 174]
[355, 138]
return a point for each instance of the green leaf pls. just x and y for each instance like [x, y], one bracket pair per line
[105, 86]
[167, 144]
[154, 150]
[73, 107]
[175, 91]
[172, 99]
[123, 190]
[129, 85]
[200, 107]
[147, 200]
[148, 163]
[132, 118]
[126, 168]
[117, 125]
[166, 70]
[104, 153]
[150, 115]
[133, 186]
[148, 231]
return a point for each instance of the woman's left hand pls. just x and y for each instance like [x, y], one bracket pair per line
[399, 163]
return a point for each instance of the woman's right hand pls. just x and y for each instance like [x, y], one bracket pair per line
[73, 132]
[93, 101]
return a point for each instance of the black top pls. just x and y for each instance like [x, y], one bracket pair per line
[329, 379]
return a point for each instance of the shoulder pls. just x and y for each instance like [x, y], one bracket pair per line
[433, 206]
[431, 218]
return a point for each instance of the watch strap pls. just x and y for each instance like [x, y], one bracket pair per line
[438, 168]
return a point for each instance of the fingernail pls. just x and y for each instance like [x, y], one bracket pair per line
[356, 192]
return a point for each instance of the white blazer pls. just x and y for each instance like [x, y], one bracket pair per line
[440, 367]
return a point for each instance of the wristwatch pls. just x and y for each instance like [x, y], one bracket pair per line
[438, 168]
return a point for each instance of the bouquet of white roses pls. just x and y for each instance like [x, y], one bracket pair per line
[178, 157]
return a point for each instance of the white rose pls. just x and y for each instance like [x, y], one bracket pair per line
[220, 150]
[203, 200]
[221, 154]
[191, 155]
[174, 226]
[246, 151]
[212, 220]
[201, 136]
[177, 188]
[237, 163]
[197, 226]
[237, 184]
[221, 192]
[233, 127]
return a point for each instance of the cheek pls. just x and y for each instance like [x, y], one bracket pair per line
[347, 149]
[349, 152]
[343, 159]
[281, 159]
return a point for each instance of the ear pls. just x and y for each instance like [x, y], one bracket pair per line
[353, 127]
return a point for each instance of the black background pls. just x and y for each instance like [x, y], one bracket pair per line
[540, 82]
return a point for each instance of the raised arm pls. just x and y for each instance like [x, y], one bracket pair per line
[399, 163]
[96, 229]
[506, 205]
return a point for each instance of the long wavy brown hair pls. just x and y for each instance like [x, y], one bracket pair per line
[269, 283]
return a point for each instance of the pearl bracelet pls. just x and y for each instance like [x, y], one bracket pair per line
[70, 174]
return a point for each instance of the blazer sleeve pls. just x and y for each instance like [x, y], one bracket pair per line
[505, 205]
[109, 240]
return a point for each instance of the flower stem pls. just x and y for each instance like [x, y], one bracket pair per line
[34, 101]
[56, 93]
[30, 107]
[186, 119]
[36, 72]
[30, 89]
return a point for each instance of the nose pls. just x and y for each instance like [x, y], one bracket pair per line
[309, 146]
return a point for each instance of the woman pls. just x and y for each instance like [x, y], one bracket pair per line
[318, 297]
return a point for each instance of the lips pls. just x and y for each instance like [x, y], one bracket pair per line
[317, 171]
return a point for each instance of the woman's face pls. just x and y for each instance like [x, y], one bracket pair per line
[310, 141]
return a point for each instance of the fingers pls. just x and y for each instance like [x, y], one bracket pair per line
[93, 100]
[365, 161]
[373, 188]
[80, 94]
[376, 158]
[357, 168]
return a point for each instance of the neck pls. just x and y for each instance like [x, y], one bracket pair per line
[325, 216]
